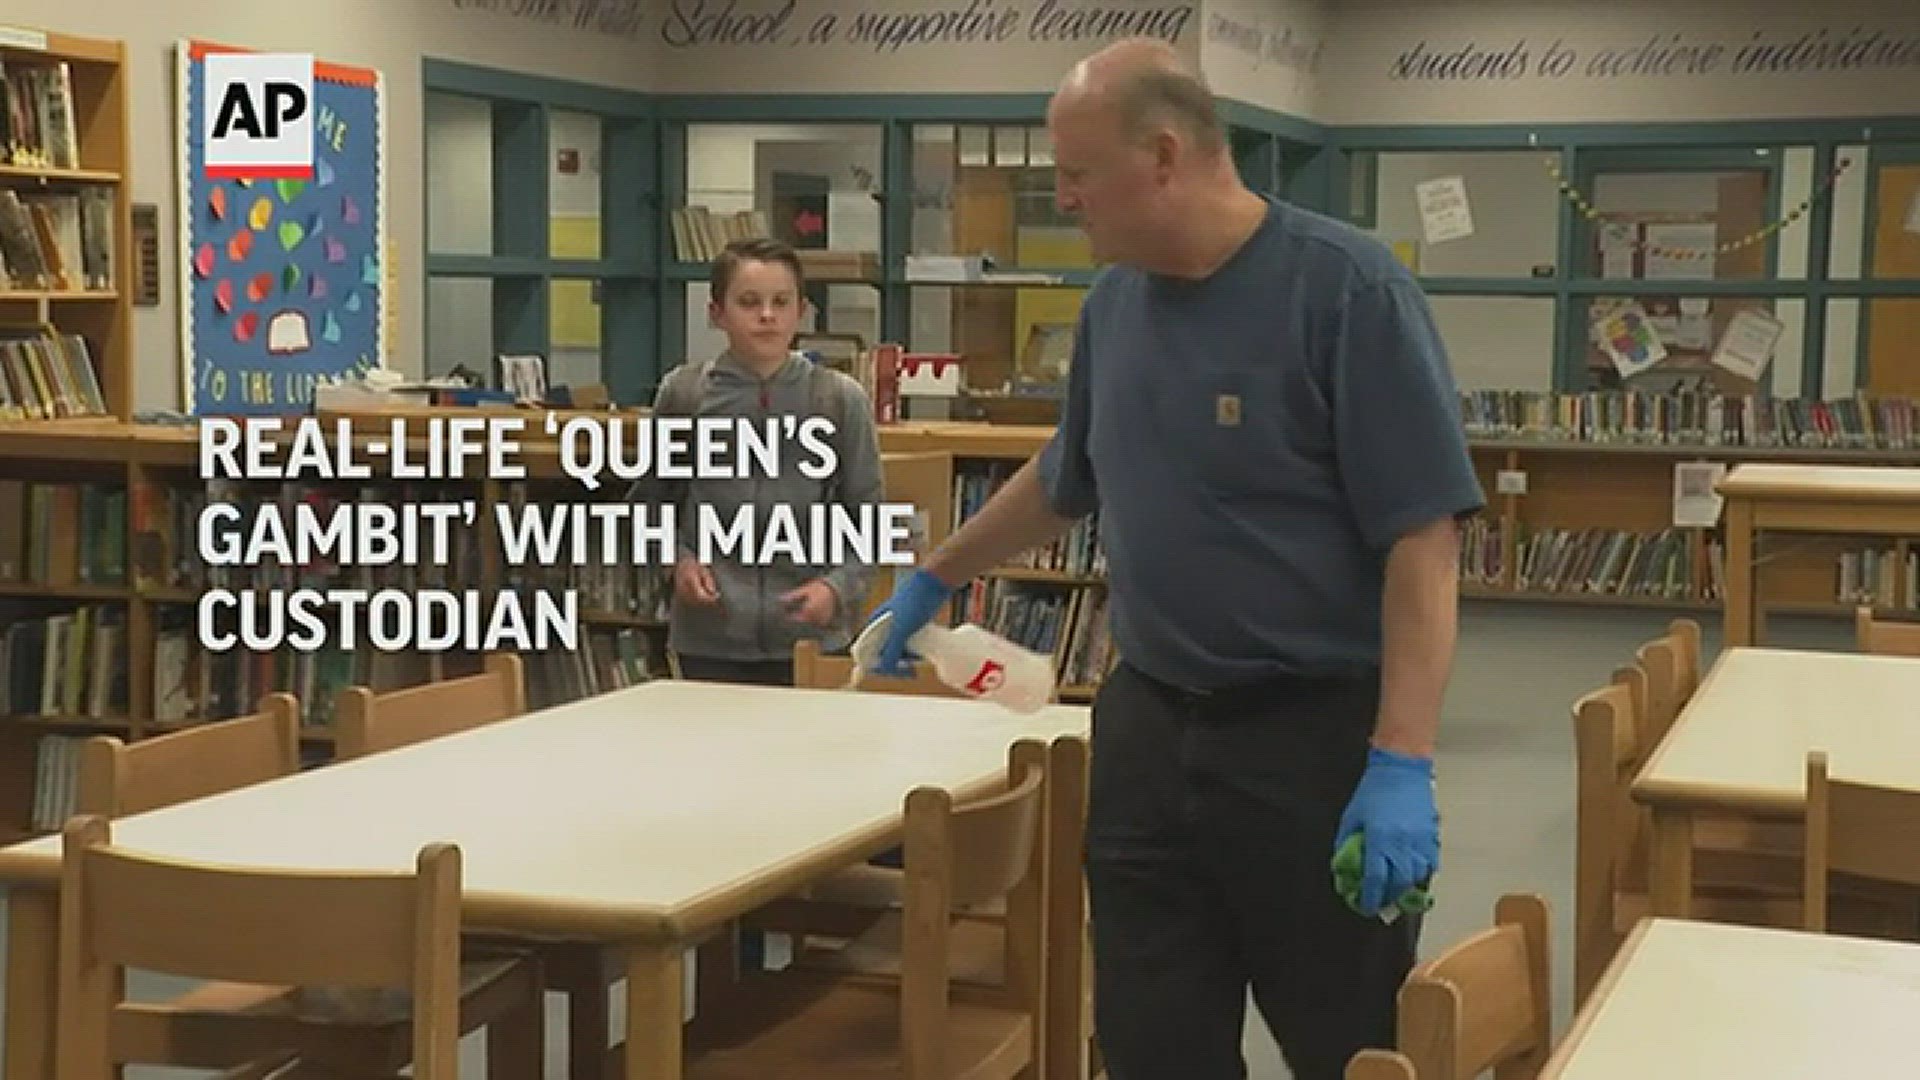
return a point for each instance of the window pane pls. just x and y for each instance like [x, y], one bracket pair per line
[989, 190]
[1892, 326]
[1012, 338]
[1661, 343]
[1513, 199]
[1843, 355]
[573, 318]
[459, 175]
[1498, 342]
[810, 185]
[1847, 256]
[1671, 224]
[573, 185]
[1895, 240]
[459, 324]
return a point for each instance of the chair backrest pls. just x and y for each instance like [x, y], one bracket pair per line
[119, 778]
[368, 723]
[813, 668]
[1611, 831]
[1485, 1003]
[961, 853]
[1666, 689]
[1380, 1065]
[1858, 829]
[1686, 637]
[122, 909]
[1884, 637]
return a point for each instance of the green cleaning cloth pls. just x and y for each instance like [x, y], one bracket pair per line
[1347, 864]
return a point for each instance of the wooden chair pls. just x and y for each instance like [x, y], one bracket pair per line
[1884, 637]
[922, 1025]
[1380, 1065]
[1485, 1003]
[393, 939]
[367, 723]
[1863, 831]
[118, 779]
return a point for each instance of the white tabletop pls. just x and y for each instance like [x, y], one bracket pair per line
[616, 812]
[1697, 1000]
[1744, 736]
[1865, 483]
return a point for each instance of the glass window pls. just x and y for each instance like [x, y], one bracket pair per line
[1841, 372]
[1498, 342]
[459, 201]
[574, 184]
[1876, 213]
[1513, 199]
[1013, 338]
[1660, 343]
[573, 313]
[989, 190]
[459, 324]
[811, 185]
[1683, 224]
[1887, 334]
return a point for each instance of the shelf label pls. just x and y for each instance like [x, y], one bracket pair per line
[19, 37]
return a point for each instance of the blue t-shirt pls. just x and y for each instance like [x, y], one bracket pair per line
[1255, 443]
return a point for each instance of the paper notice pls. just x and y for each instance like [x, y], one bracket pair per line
[1444, 211]
[1695, 502]
[1747, 346]
[1628, 338]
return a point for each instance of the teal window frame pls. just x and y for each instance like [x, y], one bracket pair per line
[521, 267]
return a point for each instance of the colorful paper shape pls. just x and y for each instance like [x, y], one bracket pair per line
[313, 225]
[262, 214]
[330, 329]
[203, 260]
[353, 301]
[324, 170]
[290, 189]
[336, 250]
[317, 287]
[289, 277]
[217, 202]
[223, 295]
[291, 233]
[288, 333]
[260, 287]
[239, 246]
[245, 325]
[349, 210]
[369, 270]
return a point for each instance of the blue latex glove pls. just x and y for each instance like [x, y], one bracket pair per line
[1393, 805]
[912, 605]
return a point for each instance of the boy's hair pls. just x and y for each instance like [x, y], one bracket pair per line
[760, 249]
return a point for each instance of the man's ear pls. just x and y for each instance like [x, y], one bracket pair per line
[713, 313]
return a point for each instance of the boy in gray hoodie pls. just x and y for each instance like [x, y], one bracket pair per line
[733, 622]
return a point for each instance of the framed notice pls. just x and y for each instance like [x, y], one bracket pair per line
[1445, 213]
[284, 283]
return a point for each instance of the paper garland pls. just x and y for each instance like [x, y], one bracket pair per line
[1766, 232]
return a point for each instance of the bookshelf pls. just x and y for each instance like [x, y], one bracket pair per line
[65, 228]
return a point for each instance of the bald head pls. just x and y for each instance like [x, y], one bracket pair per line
[1146, 83]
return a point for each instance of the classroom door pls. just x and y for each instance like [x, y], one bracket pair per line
[1893, 323]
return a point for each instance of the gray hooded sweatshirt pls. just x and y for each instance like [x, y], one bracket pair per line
[749, 622]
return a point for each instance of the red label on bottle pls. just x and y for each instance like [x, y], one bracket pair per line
[991, 676]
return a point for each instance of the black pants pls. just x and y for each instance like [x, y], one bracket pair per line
[1209, 843]
[720, 669]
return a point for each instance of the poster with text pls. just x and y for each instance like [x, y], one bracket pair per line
[283, 282]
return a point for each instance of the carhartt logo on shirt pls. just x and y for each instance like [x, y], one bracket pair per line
[1226, 410]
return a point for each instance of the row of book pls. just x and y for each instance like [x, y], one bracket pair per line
[1693, 418]
[608, 659]
[59, 534]
[63, 663]
[57, 240]
[699, 234]
[1068, 624]
[37, 115]
[1878, 577]
[56, 781]
[47, 374]
[1077, 552]
[1662, 564]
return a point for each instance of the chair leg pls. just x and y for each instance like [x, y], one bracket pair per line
[587, 1032]
[517, 1043]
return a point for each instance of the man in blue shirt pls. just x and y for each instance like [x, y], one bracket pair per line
[1261, 411]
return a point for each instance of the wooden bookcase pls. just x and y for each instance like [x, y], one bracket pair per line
[92, 74]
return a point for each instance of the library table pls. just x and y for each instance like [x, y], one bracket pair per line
[1740, 745]
[1766, 497]
[1688, 1000]
[645, 818]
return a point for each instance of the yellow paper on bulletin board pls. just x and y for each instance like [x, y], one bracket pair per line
[1046, 248]
[575, 317]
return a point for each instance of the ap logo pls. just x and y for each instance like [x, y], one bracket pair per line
[257, 116]
[991, 676]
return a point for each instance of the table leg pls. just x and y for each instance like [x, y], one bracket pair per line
[1742, 576]
[656, 1003]
[32, 986]
[1671, 863]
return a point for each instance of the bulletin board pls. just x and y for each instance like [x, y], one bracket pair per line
[284, 283]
